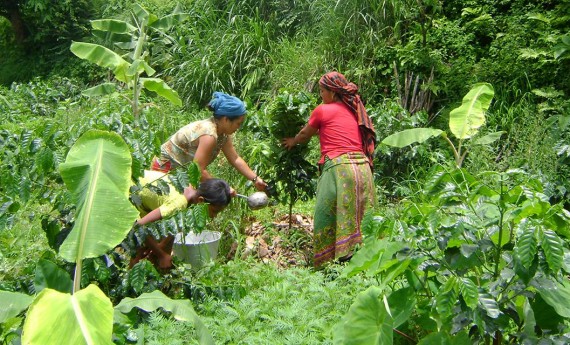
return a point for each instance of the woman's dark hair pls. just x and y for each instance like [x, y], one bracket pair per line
[215, 191]
[231, 118]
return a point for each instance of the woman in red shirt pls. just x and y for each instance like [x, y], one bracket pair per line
[345, 187]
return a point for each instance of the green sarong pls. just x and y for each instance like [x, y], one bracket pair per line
[345, 189]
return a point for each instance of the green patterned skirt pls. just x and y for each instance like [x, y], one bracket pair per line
[345, 189]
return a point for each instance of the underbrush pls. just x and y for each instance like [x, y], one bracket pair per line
[276, 306]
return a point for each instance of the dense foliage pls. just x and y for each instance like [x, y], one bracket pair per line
[462, 250]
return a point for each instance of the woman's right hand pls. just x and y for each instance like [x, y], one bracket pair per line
[288, 143]
[260, 185]
[233, 192]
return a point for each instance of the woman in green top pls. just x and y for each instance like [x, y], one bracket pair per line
[201, 141]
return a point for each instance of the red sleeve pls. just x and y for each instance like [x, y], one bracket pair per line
[316, 117]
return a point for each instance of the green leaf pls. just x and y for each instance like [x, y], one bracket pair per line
[181, 310]
[447, 297]
[100, 90]
[113, 25]
[200, 214]
[526, 246]
[12, 304]
[556, 294]
[194, 173]
[444, 338]
[162, 89]
[102, 57]
[402, 303]
[490, 305]
[97, 171]
[529, 322]
[469, 292]
[368, 321]
[553, 249]
[465, 121]
[489, 138]
[411, 136]
[169, 21]
[60, 318]
[49, 275]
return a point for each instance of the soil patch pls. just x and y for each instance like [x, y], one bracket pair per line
[282, 242]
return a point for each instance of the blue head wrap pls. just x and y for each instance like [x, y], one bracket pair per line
[225, 105]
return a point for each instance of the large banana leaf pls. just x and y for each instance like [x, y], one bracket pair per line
[162, 89]
[411, 136]
[465, 121]
[113, 25]
[61, 318]
[103, 57]
[97, 171]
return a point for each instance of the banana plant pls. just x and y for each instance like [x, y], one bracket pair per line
[97, 171]
[464, 123]
[130, 63]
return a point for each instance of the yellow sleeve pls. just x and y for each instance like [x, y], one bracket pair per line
[173, 203]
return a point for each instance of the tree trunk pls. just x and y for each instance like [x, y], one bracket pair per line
[11, 11]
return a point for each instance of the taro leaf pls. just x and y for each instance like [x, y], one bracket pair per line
[556, 294]
[85, 317]
[181, 310]
[368, 321]
[465, 121]
[97, 171]
[12, 304]
[49, 275]
[402, 303]
[102, 57]
[411, 136]
[100, 90]
[162, 89]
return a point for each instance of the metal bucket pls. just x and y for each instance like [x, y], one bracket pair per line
[197, 249]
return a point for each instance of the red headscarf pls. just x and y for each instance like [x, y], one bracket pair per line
[348, 92]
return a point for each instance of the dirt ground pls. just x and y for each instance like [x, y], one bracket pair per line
[286, 246]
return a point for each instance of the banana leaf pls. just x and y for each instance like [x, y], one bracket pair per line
[411, 136]
[162, 89]
[61, 318]
[100, 90]
[102, 57]
[465, 121]
[97, 171]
